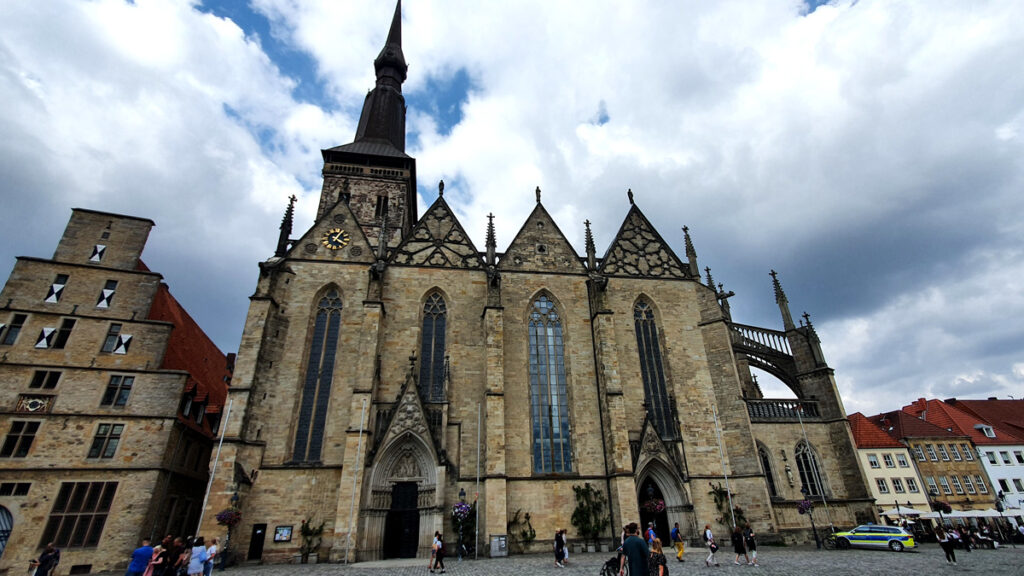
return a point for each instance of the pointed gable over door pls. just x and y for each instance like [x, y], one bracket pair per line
[540, 246]
[438, 239]
[639, 251]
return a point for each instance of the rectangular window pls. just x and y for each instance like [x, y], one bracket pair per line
[1003, 485]
[110, 342]
[1019, 456]
[956, 452]
[15, 488]
[902, 461]
[969, 484]
[78, 515]
[943, 453]
[107, 294]
[56, 289]
[968, 453]
[97, 253]
[919, 452]
[956, 484]
[45, 379]
[19, 439]
[932, 486]
[10, 335]
[897, 486]
[912, 485]
[1006, 457]
[118, 390]
[104, 444]
[931, 452]
[382, 207]
[883, 487]
[63, 334]
[873, 461]
[1018, 485]
[982, 488]
[992, 458]
[889, 462]
[945, 485]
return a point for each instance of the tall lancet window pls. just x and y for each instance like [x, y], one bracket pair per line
[435, 316]
[316, 390]
[766, 463]
[549, 406]
[810, 472]
[653, 371]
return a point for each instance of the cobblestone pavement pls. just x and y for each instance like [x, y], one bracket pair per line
[926, 560]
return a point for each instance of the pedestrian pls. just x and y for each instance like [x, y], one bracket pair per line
[559, 548]
[141, 558]
[947, 545]
[738, 546]
[180, 554]
[634, 551]
[709, 541]
[657, 564]
[750, 539]
[565, 547]
[211, 555]
[651, 534]
[439, 559]
[677, 541]
[156, 562]
[433, 550]
[197, 557]
[47, 561]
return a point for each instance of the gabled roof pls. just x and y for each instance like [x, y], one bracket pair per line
[540, 246]
[639, 251]
[900, 425]
[439, 240]
[1008, 414]
[867, 434]
[943, 415]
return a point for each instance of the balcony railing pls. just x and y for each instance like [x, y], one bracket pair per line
[769, 410]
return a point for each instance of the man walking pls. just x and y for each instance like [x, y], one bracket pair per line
[140, 559]
[677, 541]
[634, 551]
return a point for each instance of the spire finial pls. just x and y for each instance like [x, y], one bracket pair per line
[807, 318]
[286, 228]
[629, 194]
[491, 241]
[711, 281]
[591, 250]
[538, 194]
[780, 299]
[440, 188]
[691, 254]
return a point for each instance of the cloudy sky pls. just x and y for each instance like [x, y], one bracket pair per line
[872, 152]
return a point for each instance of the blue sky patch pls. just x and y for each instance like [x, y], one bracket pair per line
[442, 98]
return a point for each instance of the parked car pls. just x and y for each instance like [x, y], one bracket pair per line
[875, 536]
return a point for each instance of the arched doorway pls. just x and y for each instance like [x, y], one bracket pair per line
[653, 509]
[402, 526]
[6, 524]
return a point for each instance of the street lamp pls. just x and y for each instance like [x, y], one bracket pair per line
[935, 494]
[810, 512]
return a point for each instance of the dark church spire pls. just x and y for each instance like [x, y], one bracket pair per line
[782, 301]
[286, 228]
[383, 117]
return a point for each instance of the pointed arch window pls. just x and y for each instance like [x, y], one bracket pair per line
[766, 464]
[653, 371]
[552, 447]
[432, 363]
[316, 390]
[810, 472]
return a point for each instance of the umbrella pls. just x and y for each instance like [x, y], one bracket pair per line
[902, 511]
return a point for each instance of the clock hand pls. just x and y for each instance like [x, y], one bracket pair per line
[336, 237]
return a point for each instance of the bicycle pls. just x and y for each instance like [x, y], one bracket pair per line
[828, 541]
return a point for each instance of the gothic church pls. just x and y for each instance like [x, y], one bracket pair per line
[387, 363]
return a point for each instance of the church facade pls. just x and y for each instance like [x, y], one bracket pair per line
[389, 369]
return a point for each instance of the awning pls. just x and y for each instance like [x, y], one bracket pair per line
[902, 511]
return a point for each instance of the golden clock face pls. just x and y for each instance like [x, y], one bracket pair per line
[335, 238]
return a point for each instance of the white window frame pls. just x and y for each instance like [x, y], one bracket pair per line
[920, 453]
[912, 485]
[932, 486]
[943, 453]
[901, 459]
[873, 461]
[889, 462]
[969, 484]
[897, 486]
[931, 452]
[956, 452]
[956, 484]
[883, 486]
[968, 453]
[945, 485]
[982, 488]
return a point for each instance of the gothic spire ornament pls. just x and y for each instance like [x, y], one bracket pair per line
[286, 228]
[591, 249]
[780, 299]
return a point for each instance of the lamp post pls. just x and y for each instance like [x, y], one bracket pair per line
[935, 494]
[810, 512]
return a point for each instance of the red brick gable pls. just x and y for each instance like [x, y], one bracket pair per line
[191, 350]
[867, 434]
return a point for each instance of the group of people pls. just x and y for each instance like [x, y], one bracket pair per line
[561, 550]
[648, 558]
[174, 557]
[437, 553]
[744, 542]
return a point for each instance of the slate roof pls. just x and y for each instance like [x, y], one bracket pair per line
[867, 434]
[371, 147]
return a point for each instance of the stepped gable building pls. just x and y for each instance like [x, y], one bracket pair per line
[889, 467]
[110, 398]
[387, 363]
[1000, 451]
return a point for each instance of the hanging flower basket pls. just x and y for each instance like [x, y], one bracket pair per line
[461, 511]
[229, 517]
[654, 505]
[804, 506]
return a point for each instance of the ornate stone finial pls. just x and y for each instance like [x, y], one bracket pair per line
[721, 287]
[412, 362]
[690, 252]
[807, 318]
[591, 250]
[538, 194]
[711, 281]
[629, 194]
[440, 188]
[491, 240]
[286, 228]
[782, 301]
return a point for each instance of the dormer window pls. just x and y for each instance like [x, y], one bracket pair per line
[986, 430]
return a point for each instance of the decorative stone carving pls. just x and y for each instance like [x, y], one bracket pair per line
[639, 250]
[438, 240]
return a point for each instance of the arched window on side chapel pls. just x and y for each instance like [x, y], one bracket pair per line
[653, 371]
[316, 389]
[549, 410]
[810, 472]
[766, 464]
[432, 357]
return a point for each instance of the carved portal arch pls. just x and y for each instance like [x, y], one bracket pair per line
[658, 471]
[408, 458]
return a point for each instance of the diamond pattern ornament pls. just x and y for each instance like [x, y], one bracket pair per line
[46, 337]
[438, 240]
[97, 253]
[54, 293]
[105, 297]
[639, 251]
[123, 342]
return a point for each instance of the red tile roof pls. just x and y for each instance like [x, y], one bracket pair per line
[191, 350]
[900, 425]
[867, 434]
[1007, 414]
[941, 414]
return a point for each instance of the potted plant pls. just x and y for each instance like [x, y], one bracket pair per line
[311, 538]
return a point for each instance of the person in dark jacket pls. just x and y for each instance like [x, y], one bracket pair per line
[738, 546]
[47, 561]
[634, 551]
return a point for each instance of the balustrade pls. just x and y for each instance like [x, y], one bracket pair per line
[771, 410]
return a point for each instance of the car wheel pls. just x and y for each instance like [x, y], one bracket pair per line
[842, 543]
[895, 545]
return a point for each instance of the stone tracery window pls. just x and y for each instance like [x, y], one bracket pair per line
[552, 447]
[766, 463]
[432, 348]
[653, 371]
[316, 390]
[810, 471]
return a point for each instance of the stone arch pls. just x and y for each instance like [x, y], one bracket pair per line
[764, 457]
[808, 464]
[434, 327]
[677, 502]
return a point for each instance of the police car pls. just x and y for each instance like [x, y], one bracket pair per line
[874, 536]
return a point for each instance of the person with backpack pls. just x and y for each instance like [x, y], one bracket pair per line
[677, 541]
[709, 541]
[651, 535]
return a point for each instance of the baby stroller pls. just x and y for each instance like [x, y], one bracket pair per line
[611, 567]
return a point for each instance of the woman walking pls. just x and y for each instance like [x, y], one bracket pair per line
[709, 541]
[751, 541]
[197, 558]
[738, 546]
[559, 548]
[439, 557]
[656, 564]
[946, 541]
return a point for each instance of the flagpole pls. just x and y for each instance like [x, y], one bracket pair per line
[721, 452]
[213, 471]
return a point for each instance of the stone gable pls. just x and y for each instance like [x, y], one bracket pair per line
[541, 247]
[438, 240]
[638, 250]
[313, 244]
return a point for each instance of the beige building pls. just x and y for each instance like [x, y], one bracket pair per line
[109, 394]
[889, 467]
[387, 364]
